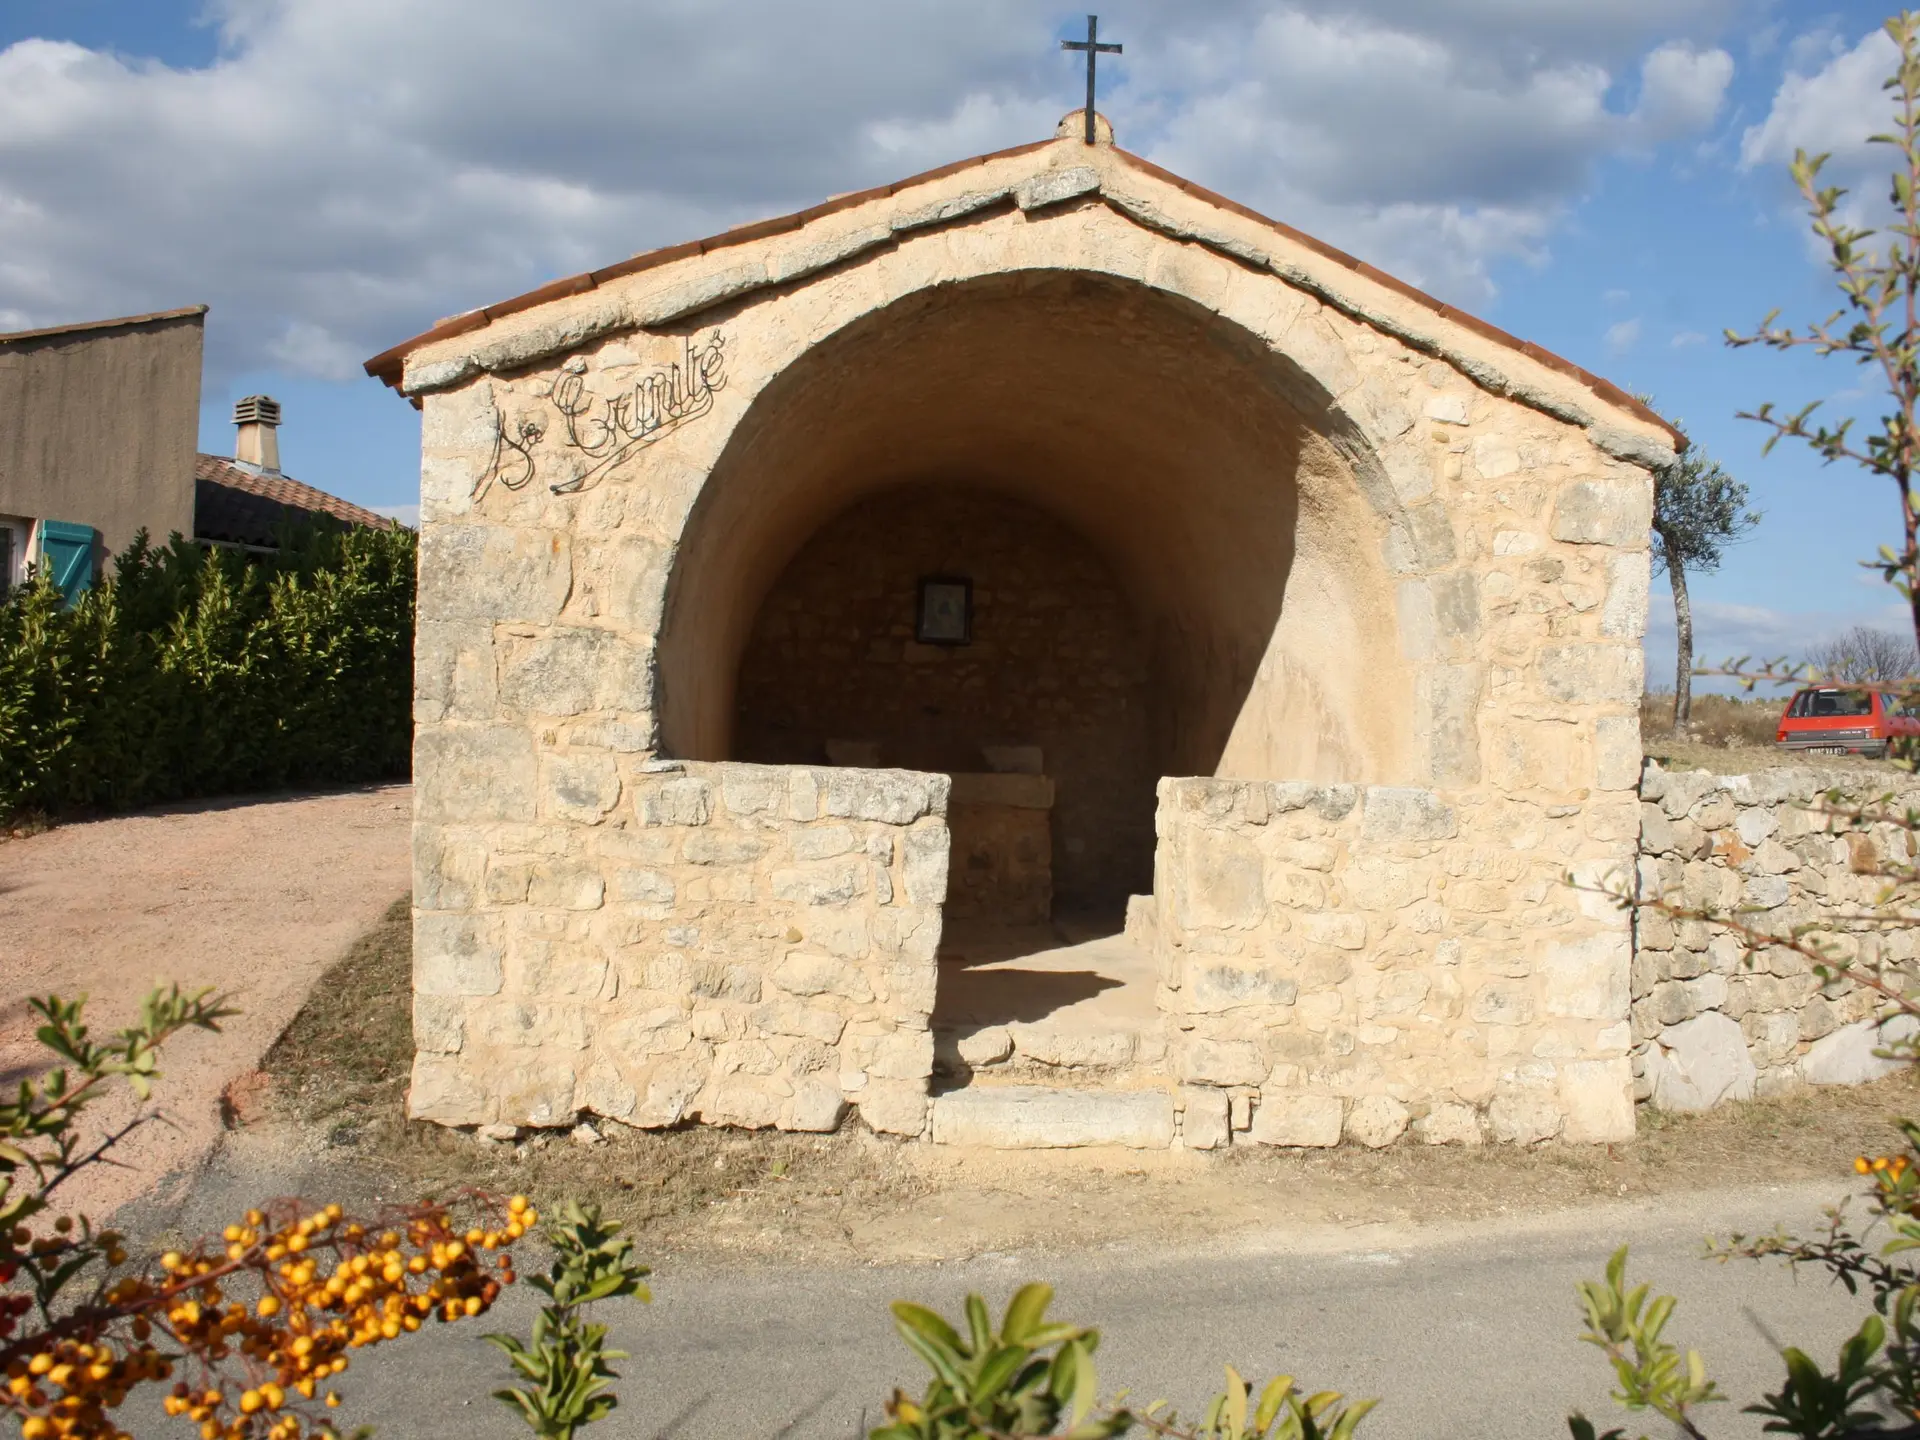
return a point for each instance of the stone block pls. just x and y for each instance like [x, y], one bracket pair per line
[1845, 1057]
[1221, 1062]
[1523, 1116]
[894, 1107]
[539, 1093]
[988, 1045]
[1392, 813]
[465, 774]
[751, 789]
[1306, 1121]
[896, 797]
[1604, 512]
[924, 864]
[572, 670]
[582, 787]
[1449, 1124]
[456, 955]
[749, 1102]
[1450, 695]
[605, 1092]
[687, 800]
[827, 884]
[1697, 1064]
[1624, 613]
[1204, 1118]
[1225, 987]
[565, 885]
[1376, 1121]
[446, 1091]
[1029, 1117]
[1597, 1096]
[1072, 1048]
[1592, 674]
[1342, 932]
[491, 574]
[1221, 882]
[439, 1024]
[903, 1055]
[1502, 1003]
[1588, 979]
[815, 1106]
[632, 885]
[824, 842]
[1616, 751]
[671, 1088]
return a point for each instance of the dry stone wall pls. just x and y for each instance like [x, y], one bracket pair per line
[660, 941]
[1358, 961]
[1710, 1024]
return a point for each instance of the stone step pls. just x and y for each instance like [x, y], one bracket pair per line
[1082, 1044]
[1038, 1117]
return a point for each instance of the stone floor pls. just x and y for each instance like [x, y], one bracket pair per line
[1071, 1002]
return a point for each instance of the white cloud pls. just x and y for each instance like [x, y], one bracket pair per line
[407, 515]
[1681, 90]
[347, 171]
[1723, 632]
[1831, 109]
[1622, 333]
[1686, 339]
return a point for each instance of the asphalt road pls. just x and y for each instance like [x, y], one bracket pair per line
[1468, 1332]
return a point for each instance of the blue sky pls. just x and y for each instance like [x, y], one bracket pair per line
[334, 175]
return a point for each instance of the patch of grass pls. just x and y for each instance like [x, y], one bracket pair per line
[348, 1053]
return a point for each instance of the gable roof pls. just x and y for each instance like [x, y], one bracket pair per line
[236, 506]
[124, 322]
[389, 365]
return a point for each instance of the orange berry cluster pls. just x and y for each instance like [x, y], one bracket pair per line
[1895, 1178]
[290, 1342]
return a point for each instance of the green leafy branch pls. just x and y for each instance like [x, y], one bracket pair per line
[40, 1140]
[567, 1363]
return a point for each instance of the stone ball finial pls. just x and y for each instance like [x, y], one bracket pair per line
[1073, 126]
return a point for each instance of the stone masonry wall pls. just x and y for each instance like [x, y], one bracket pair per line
[1708, 1023]
[659, 941]
[1056, 661]
[1351, 961]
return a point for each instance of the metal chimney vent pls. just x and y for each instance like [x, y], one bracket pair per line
[257, 410]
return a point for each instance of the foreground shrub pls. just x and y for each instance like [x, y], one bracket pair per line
[201, 672]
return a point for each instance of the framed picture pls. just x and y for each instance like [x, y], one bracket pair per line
[946, 611]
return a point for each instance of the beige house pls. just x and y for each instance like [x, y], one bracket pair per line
[99, 427]
[1035, 654]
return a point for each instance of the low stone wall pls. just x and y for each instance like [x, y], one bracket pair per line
[1344, 961]
[742, 944]
[1710, 1024]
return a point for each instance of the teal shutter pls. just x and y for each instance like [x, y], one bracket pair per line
[67, 551]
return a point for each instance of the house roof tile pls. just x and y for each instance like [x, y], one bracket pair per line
[245, 507]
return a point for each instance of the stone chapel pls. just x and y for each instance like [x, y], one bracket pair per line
[1034, 654]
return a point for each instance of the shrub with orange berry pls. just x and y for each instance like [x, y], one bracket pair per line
[251, 1328]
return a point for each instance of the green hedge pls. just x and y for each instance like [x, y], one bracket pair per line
[200, 672]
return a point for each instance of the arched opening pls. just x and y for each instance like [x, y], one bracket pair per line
[1123, 473]
[1049, 689]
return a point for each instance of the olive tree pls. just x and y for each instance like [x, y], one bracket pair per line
[1698, 511]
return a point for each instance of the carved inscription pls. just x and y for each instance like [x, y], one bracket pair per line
[598, 432]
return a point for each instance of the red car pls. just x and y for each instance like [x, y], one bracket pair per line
[1842, 721]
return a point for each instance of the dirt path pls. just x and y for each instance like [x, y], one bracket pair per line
[255, 897]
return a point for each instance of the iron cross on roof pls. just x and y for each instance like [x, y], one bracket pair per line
[1094, 50]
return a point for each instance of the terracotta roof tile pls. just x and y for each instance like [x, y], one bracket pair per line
[242, 507]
